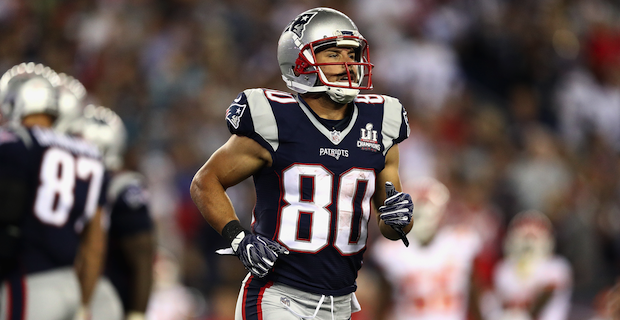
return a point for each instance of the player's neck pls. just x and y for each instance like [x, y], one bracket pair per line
[39, 119]
[325, 107]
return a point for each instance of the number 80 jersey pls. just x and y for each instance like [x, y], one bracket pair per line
[316, 197]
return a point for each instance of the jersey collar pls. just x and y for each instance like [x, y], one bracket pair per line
[334, 135]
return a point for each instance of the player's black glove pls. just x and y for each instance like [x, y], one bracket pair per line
[258, 254]
[397, 210]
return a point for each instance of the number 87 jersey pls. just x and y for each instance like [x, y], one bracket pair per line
[57, 181]
[316, 197]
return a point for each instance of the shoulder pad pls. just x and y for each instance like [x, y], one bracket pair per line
[122, 181]
[251, 114]
[370, 98]
[395, 122]
[14, 133]
[466, 235]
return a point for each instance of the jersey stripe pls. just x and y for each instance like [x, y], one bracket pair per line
[16, 296]
[262, 116]
[392, 121]
[253, 298]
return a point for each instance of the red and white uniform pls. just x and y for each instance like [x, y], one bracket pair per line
[430, 282]
[516, 288]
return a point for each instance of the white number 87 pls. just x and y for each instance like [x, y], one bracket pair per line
[55, 196]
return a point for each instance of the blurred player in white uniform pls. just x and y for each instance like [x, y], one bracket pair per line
[531, 282]
[432, 278]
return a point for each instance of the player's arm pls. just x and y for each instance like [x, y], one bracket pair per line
[540, 301]
[388, 174]
[139, 251]
[232, 163]
[475, 294]
[13, 202]
[235, 161]
[89, 260]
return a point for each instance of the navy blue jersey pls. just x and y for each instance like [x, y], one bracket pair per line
[64, 178]
[128, 199]
[316, 197]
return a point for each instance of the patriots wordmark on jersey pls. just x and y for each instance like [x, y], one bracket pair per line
[316, 197]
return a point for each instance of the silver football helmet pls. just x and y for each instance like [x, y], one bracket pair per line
[71, 94]
[316, 29]
[431, 198]
[104, 128]
[28, 88]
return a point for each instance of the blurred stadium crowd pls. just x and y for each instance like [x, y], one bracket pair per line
[514, 105]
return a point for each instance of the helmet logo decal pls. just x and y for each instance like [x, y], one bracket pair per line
[298, 25]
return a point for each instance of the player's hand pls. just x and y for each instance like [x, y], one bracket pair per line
[257, 254]
[397, 210]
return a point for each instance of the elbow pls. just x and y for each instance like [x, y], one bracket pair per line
[203, 184]
[196, 187]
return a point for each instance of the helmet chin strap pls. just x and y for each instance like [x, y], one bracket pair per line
[337, 94]
[342, 95]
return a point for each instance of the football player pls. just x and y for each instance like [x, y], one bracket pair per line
[434, 278]
[319, 159]
[531, 282]
[131, 241]
[51, 200]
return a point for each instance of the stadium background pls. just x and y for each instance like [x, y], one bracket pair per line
[513, 104]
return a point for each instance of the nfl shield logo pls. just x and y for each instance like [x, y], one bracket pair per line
[335, 135]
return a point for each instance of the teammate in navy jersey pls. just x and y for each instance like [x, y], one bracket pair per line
[128, 270]
[51, 231]
[319, 160]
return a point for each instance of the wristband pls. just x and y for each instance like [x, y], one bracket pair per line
[231, 230]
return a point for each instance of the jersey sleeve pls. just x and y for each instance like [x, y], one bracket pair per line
[562, 276]
[14, 172]
[395, 123]
[251, 115]
[130, 212]
[13, 156]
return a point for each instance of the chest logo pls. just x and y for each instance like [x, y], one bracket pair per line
[335, 153]
[335, 136]
[368, 139]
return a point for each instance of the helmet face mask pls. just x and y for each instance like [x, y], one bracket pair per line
[358, 72]
[529, 238]
[314, 31]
